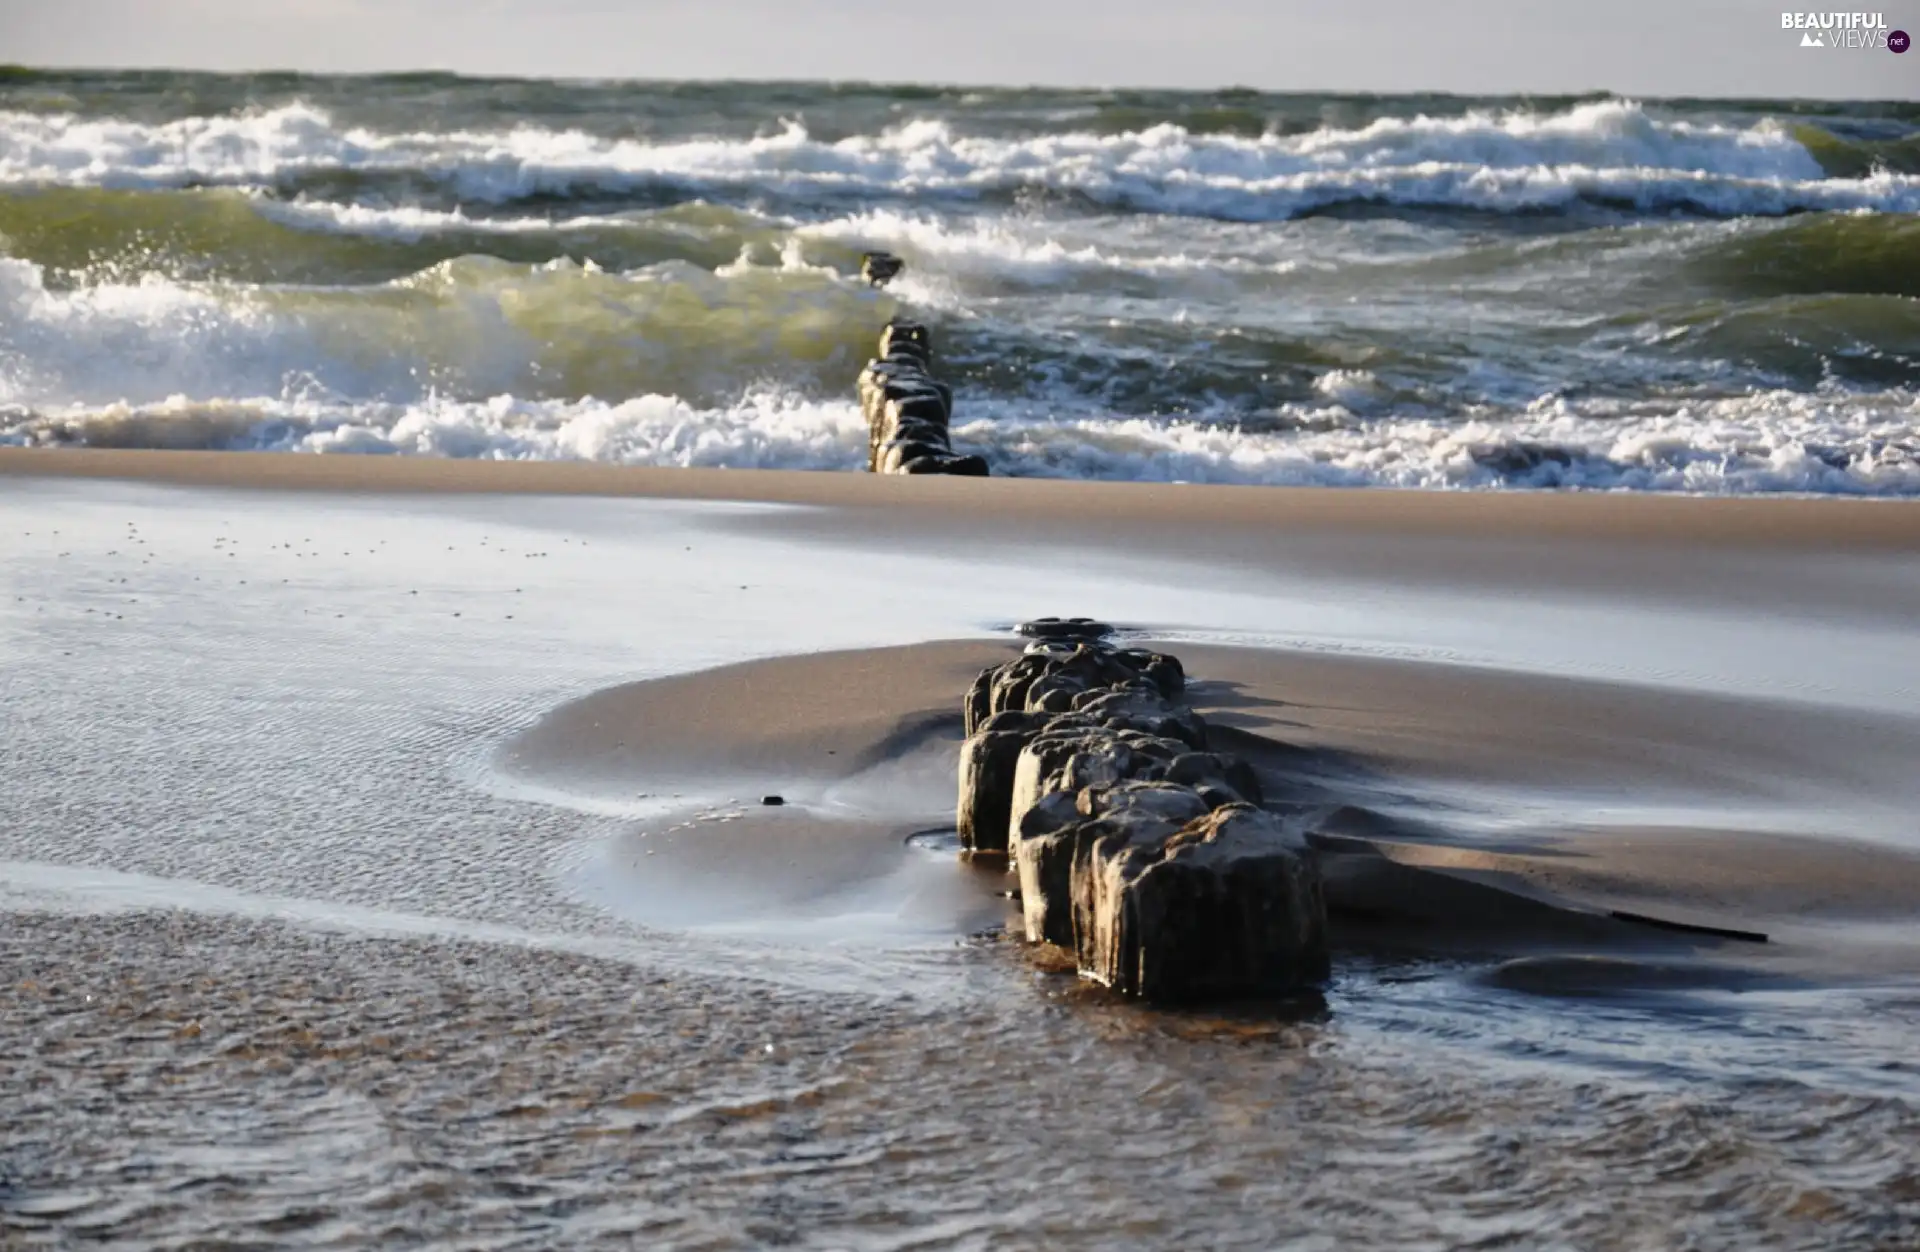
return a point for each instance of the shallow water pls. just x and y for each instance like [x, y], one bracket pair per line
[1221, 287]
[345, 982]
[496, 1096]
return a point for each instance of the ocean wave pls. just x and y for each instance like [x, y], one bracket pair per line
[1852, 253]
[1871, 340]
[476, 326]
[762, 430]
[1037, 253]
[92, 234]
[95, 234]
[472, 326]
[1612, 152]
[1857, 157]
[1783, 441]
[100, 235]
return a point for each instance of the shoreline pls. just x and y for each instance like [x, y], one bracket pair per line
[1569, 761]
[1787, 522]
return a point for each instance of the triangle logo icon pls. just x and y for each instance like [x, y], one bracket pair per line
[1811, 40]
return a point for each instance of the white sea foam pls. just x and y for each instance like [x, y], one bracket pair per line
[763, 430]
[1048, 250]
[411, 222]
[408, 222]
[1833, 443]
[1507, 161]
[1830, 442]
[1357, 390]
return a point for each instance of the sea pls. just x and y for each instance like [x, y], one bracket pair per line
[1230, 287]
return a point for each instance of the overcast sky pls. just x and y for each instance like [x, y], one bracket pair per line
[1639, 47]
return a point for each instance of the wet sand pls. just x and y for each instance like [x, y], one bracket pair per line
[1806, 524]
[1513, 784]
[487, 745]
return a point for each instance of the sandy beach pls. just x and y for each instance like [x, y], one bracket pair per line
[384, 851]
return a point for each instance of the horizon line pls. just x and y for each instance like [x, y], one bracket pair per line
[12, 68]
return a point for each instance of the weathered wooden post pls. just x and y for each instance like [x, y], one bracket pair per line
[908, 410]
[1137, 849]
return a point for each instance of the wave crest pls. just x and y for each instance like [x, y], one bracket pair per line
[1612, 151]
[467, 327]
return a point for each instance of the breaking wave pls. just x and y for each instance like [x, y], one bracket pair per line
[472, 326]
[1765, 442]
[1608, 152]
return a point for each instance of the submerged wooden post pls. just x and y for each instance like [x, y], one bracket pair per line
[880, 268]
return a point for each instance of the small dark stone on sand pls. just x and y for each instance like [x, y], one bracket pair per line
[773, 800]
